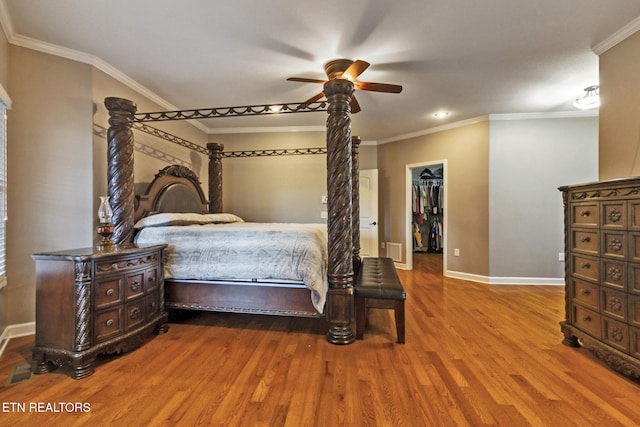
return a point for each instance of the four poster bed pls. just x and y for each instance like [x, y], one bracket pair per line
[175, 196]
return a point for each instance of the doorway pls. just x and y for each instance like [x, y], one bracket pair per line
[426, 216]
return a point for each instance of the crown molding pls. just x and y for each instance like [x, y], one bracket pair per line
[624, 32]
[547, 115]
[436, 129]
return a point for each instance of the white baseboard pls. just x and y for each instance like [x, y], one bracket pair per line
[15, 331]
[543, 281]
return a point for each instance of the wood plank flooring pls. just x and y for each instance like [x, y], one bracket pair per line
[476, 355]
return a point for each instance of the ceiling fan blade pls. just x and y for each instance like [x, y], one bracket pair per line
[304, 80]
[355, 106]
[311, 100]
[355, 69]
[378, 87]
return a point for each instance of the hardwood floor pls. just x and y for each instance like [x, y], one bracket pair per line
[475, 355]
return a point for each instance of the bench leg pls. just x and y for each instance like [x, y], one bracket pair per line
[399, 313]
[361, 317]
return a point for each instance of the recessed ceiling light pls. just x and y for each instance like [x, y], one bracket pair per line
[441, 114]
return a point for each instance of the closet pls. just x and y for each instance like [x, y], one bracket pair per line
[427, 202]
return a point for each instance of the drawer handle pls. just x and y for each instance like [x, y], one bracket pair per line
[586, 318]
[585, 213]
[585, 292]
[109, 322]
[135, 313]
[152, 279]
[110, 292]
[586, 239]
[585, 265]
[135, 285]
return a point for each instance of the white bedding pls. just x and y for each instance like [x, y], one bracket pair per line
[245, 251]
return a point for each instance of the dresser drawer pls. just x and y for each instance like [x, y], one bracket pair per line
[614, 244]
[634, 214]
[633, 311]
[587, 320]
[585, 267]
[614, 214]
[634, 342]
[108, 324]
[615, 333]
[585, 215]
[585, 293]
[585, 241]
[634, 247]
[108, 291]
[614, 303]
[614, 273]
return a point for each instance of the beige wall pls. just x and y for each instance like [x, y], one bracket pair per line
[466, 151]
[620, 110]
[278, 188]
[49, 167]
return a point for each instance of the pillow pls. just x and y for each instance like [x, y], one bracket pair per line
[165, 219]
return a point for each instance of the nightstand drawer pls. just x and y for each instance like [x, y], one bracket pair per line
[152, 279]
[587, 320]
[108, 324]
[108, 291]
[134, 285]
[134, 314]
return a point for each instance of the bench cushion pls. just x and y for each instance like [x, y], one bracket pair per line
[378, 279]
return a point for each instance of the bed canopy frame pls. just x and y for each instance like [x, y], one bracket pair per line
[342, 184]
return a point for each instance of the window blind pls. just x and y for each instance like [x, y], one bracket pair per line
[3, 193]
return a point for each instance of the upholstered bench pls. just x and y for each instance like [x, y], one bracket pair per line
[378, 286]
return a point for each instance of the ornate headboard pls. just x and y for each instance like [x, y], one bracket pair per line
[175, 189]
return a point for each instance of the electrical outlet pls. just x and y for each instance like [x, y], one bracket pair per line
[383, 245]
[323, 215]
[324, 200]
[456, 252]
[561, 256]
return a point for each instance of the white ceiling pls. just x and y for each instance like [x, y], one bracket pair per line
[470, 57]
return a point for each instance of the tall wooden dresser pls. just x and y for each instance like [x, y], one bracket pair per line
[90, 302]
[602, 271]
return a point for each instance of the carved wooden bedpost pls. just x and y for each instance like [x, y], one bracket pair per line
[355, 204]
[339, 305]
[120, 167]
[215, 177]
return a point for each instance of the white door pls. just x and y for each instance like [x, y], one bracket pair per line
[369, 213]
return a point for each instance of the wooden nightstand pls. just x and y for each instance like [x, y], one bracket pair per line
[90, 302]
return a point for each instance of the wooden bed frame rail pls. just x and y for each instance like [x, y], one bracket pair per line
[342, 194]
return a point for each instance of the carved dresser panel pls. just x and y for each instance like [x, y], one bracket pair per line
[90, 302]
[602, 271]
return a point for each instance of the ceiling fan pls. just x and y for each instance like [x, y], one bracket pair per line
[350, 70]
